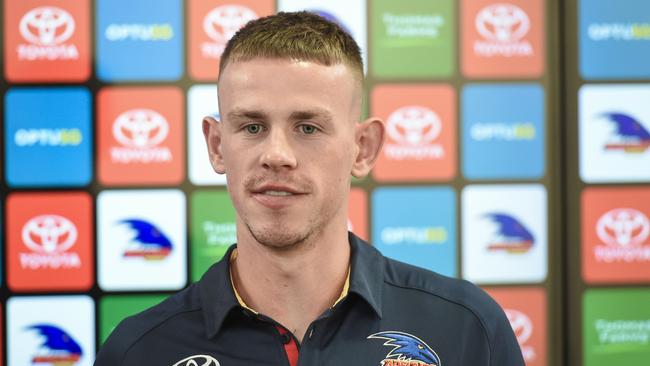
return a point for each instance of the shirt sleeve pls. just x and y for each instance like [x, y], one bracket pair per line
[108, 356]
[113, 351]
[505, 350]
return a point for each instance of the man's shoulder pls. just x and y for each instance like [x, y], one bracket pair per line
[134, 328]
[465, 306]
[456, 293]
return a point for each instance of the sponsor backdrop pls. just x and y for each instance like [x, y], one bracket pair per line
[608, 182]
[109, 202]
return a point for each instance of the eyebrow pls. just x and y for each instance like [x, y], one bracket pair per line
[246, 114]
[310, 114]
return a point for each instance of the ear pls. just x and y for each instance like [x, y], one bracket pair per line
[212, 134]
[369, 138]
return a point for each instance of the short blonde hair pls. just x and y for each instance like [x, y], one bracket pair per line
[296, 35]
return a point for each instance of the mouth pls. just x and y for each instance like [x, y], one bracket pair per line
[276, 196]
[276, 193]
[276, 190]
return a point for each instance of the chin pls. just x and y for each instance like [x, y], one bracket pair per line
[278, 237]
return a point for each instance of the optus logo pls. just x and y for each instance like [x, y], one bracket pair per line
[140, 131]
[48, 137]
[619, 31]
[220, 24]
[139, 32]
[414, 129]
[49, 237]
[520, 131]
[503, 27]
[415, 235]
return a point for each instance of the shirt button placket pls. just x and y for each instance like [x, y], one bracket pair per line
[308, 353]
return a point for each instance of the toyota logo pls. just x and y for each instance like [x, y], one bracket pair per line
[140, 128]
[623, 227]
[222, 22]
[47, 26]
[49, 234]
[413, 125]
[198, 360]
[502, 23]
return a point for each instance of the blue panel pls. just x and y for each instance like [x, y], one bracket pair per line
[416, 226]
[139, 40]
[614, 39]
[48, 137]
[503, 131]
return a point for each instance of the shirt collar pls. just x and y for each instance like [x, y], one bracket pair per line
[242, 303]
[217, 296]
[367, 272]
[365, 278]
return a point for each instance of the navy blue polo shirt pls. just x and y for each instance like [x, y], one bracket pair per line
[394, 314]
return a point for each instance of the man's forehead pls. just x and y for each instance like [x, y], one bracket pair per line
[268, 84]
[238, 68]
[306, 113]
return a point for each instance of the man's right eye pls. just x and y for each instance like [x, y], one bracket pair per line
[253, 129]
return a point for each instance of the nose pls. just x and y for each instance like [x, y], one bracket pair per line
[278, 153]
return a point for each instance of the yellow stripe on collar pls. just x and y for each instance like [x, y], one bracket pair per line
[233, 256]
[242, 303]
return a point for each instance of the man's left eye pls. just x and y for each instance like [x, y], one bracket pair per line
[308, 129]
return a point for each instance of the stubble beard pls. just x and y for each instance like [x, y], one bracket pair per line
[276, 235]
[278, 238]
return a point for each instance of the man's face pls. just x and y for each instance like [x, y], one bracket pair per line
[288, 146]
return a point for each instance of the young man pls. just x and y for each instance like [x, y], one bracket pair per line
[298, 289]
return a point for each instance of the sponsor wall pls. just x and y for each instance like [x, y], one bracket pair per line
[608, 175]
[110, 203]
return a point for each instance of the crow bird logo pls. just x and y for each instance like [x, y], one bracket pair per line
[512, 235]
[152, 243]
[63, 349]
[407, 347]
[635, 138]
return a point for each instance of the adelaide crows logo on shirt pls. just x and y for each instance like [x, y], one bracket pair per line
[59, 347]
[408, 350]
[149, 242]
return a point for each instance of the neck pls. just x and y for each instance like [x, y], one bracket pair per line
[292, 286]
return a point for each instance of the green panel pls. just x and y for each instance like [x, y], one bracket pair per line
[616, 327]
[412, 39]
[212, 229]
[112, 309]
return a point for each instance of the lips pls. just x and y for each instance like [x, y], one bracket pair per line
[277, 193]
[276, 196]
[276, 189]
